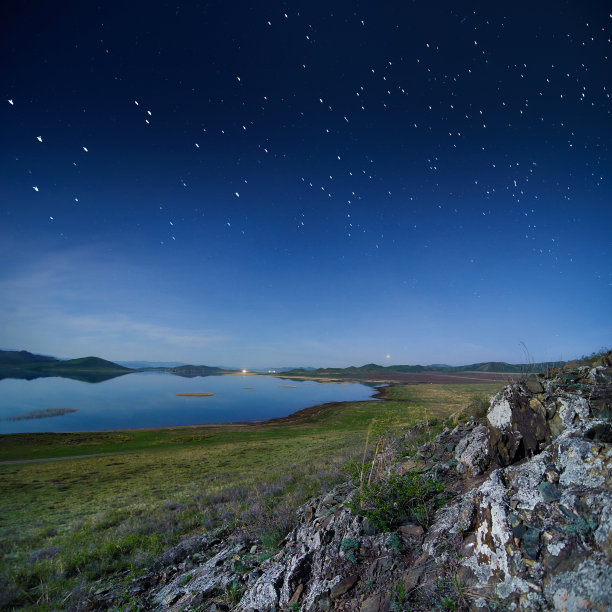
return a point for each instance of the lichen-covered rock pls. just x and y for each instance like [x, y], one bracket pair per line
[321, 554]
[472, 452]
[211, 576]
[587, 587]
[490, 556]
[518, 427]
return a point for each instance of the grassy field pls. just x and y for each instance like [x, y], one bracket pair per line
[68, 523]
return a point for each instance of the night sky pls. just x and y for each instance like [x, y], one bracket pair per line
[266, 184]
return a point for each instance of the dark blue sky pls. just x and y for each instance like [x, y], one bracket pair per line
[321, 183]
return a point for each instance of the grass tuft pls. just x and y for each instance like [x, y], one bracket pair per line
[400, 496]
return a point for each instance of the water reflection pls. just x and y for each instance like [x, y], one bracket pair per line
[149, 399]
[90, 377]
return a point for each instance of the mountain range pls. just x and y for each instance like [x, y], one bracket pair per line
[373, 369]
[23, 364]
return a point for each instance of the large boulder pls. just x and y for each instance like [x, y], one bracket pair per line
[518, 426]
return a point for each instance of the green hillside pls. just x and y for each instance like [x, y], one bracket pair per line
[87, 364]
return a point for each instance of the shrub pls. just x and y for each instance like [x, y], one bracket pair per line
[385, 503]
[350, 546]
[399, 597]
[394, 542]
[233, 593]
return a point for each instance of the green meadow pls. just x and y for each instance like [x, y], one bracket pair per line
[108, 503]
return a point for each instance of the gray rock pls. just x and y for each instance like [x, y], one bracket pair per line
[472, 452]
[345, 585]
[587, 587]
[549, 492]
[530, 543]
[518, 427]
[368, 527]
[371, 604]
[533, 384]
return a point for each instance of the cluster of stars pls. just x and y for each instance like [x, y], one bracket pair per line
[453, 112]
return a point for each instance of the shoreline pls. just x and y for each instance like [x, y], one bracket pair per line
[301, 414]
[296, 416]
[38, 447]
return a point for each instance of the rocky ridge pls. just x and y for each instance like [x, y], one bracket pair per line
[526, 522]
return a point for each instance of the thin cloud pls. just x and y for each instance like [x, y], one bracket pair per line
[123, 327]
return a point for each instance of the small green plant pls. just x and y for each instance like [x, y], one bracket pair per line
[400, 496]
[349, 543]
[241, 566]
[233, 593]
[399, 597]
[350, 547]
[295, 606]
[185, 579]
[369, 585]
[394, 542]
[449, 603]
[578, 525]
[264, 556]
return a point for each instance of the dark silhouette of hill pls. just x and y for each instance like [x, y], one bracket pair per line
[28, 366]
[189, 371]
[23, 357]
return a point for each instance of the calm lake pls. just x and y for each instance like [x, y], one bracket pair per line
[149, 399]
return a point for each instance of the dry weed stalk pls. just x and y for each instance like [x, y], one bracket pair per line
[365, 450]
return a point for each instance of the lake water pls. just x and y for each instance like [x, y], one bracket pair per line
[149, 400]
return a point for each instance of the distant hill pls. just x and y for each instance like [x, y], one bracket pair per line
[189, 371]
[288, 369]
[373, 369]
[87, 364]
[26, 365]
[502, 366]
[23, 357]
[140, 365]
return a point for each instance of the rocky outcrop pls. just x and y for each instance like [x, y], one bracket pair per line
[473, 452]
[526, 523]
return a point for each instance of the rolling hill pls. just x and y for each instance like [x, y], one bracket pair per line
[26, 365]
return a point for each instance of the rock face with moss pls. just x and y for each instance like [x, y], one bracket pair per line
[512, 510]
